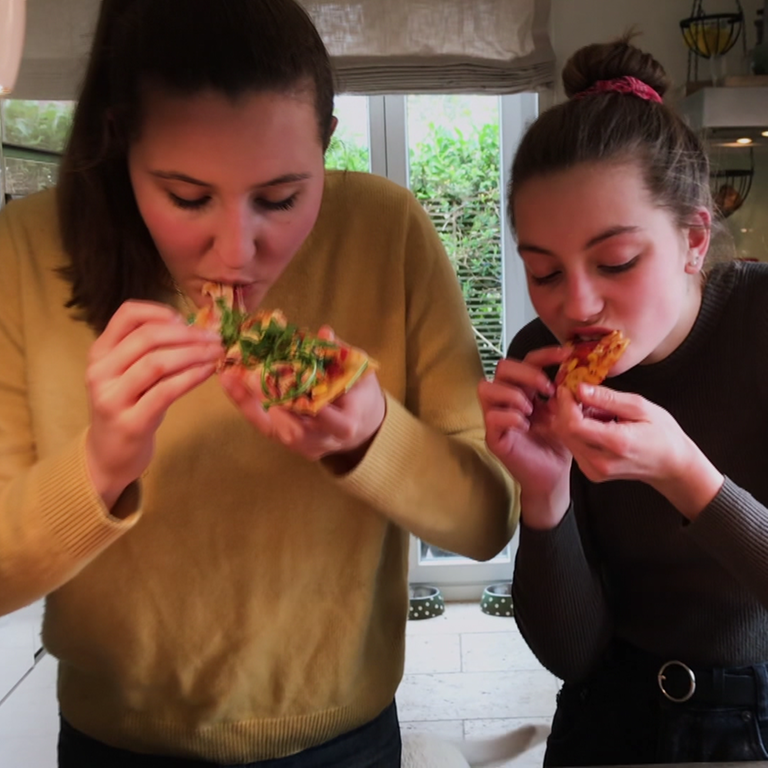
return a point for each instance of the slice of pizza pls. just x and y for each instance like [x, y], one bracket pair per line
[281, 363]
[591, 360]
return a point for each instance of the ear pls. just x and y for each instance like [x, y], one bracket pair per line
[697, 235]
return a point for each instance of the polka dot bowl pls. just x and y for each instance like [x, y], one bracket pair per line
[426, 603]
[497, 600]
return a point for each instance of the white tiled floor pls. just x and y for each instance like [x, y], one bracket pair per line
[472, 675]
[467, 675]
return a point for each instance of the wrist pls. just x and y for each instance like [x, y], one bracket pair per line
[691, 488]
[104, 484]
[545, 510]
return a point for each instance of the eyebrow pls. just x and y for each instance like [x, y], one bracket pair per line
[602, 237]
[288, 178]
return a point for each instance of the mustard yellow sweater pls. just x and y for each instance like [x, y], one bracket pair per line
[250, 604]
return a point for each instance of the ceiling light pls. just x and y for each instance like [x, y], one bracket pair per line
[744, 140]
[764, 133]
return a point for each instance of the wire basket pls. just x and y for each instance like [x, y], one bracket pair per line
[730, 188]
[710, 36]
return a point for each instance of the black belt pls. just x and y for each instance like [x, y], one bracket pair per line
[717, 687]
[680, 682]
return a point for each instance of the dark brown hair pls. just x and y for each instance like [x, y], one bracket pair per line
[182, 47]
[617, 127]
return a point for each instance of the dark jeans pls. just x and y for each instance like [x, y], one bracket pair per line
[620, 716]
[374, 745]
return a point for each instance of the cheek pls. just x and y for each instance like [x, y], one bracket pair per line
[545, 304]
[286, 239]
[172, 237]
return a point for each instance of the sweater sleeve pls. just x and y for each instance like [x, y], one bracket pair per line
[52, 522]
[561, 605]
[733, 529]
[428, 469]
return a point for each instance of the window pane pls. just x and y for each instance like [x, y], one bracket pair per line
[23, 177]
[42, 125]
[349, 149]
[455, 173]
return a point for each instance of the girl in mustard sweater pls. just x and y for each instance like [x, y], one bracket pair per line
[226, 585]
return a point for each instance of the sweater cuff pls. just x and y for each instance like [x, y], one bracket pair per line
[74, 511]
[386, 463]
[546, 541]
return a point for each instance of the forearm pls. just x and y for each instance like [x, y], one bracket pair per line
[560, 605]
[733, 529]
[444, 489]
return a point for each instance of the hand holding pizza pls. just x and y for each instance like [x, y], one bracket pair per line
[518, 410]
[146, 358]
[311, 391]
[643, 442]
[341, 428]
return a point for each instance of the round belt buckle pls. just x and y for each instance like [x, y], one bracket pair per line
[662, 678]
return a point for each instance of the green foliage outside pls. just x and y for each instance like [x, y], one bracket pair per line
[40, 125]
[456, 177]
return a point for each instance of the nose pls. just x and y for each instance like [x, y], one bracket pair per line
[582, 300]
[236, 237]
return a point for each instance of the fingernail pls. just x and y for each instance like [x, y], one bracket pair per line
[587, 389]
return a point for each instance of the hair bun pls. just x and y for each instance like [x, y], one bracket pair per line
[606, 61]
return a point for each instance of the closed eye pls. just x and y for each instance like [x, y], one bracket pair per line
[614, 269]
[183, 202]
[278, 205]
[546, 279]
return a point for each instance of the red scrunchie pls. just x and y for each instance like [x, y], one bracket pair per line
[628, 85]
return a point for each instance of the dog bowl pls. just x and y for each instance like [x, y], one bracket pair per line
[497, 599]
[426, 602]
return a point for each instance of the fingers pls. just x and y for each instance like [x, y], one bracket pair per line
[155, 402]
[495, 396]
[547, 356]
[131, 315]
[274, 423]
[531, 378]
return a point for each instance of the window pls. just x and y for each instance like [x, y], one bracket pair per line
[34, 134]
[350, 147]
[454, 151]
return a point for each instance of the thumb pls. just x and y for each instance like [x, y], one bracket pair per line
[604, 401]
[326, 333]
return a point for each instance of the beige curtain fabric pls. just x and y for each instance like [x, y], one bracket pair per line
[378, 46]
[437, 46]
[58, 37]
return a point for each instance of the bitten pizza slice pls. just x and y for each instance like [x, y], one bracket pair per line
[590, 361]
[281, 363]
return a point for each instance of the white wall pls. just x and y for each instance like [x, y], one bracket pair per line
[575, 23]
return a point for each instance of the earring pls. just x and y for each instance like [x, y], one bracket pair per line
[694, 262]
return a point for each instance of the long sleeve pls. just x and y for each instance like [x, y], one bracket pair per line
[428, 469]
[733, 530]
[560, 602]
[52, 522]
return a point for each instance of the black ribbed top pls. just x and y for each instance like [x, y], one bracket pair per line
[624, 562]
